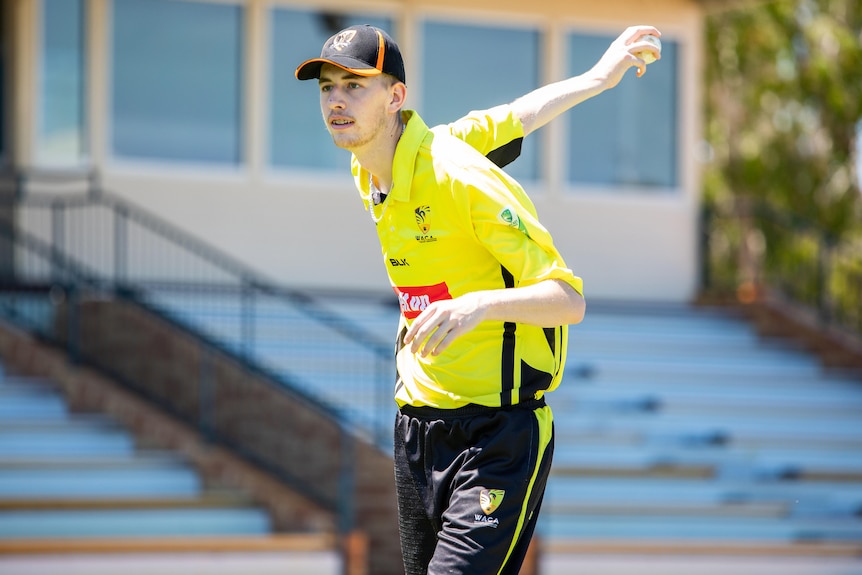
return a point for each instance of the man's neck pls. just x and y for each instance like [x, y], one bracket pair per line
[378, 156]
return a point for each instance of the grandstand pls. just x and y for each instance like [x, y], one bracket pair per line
[213, 411]
[82, 493]
[167, 406]
[684, 442]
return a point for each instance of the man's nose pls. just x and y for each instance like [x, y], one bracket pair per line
[334, 98]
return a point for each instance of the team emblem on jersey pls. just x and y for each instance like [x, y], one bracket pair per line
[343, 39]
[490, 499]
[423, 216]
[510, 217]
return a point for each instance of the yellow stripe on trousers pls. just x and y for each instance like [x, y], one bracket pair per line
[545, 420]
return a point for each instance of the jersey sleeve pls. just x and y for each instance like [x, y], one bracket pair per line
[504, 220]
[496, 133]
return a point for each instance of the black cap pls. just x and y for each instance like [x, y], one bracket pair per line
[362, 50]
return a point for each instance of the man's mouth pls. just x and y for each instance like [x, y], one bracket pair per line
[340, 122]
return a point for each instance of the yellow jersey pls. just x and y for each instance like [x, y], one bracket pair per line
[454, 223]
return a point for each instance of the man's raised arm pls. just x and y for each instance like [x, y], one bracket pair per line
[542, 105]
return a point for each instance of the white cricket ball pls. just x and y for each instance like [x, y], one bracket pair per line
[647, 56]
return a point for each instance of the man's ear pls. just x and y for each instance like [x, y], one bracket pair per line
[398, 93]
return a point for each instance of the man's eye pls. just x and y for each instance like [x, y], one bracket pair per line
[354, 85]
[325, 88]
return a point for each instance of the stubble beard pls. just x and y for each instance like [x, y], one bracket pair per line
[357, 138]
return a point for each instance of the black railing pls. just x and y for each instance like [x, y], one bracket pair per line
[752, 247]
[283, 330]
[54, 311]
[63, 249]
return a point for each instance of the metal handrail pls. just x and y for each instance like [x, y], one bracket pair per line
[73, 283]
[117, 242]
[185, 241]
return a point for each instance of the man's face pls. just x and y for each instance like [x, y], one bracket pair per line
[355, 108]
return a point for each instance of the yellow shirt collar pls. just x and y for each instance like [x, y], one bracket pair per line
[415, 133]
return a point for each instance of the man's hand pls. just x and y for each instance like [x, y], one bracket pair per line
[548, 303]
[537, 108]
[441, 323]
[620, 55]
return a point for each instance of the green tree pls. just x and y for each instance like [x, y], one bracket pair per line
[783, 106]
[784, 99]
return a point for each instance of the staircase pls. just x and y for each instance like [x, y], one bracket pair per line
[77, 485]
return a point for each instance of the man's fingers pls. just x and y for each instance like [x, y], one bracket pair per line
[434, 340]
[422, 329]
[416, 327]
[429, 340]
[438, 341]
[433, 337]
[439, 324]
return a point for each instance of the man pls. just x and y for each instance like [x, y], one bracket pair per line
[485, 297]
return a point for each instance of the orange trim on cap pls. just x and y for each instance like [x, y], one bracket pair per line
[381, 50]
[357, 71]
[361, 71]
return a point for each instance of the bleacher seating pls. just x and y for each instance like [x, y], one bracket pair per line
[78, 483]
[678, 429]
[680, 425]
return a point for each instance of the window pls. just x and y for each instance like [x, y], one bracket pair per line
[297, 134]
[626, 136]
[176, 81]
[469, 67]
[60, 135]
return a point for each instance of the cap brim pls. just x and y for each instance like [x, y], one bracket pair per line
[310, 69]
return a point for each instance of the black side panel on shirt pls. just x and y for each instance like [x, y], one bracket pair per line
[551, 336]
[532, 380]
[507, 153]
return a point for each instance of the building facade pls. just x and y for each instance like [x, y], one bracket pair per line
[189, 109]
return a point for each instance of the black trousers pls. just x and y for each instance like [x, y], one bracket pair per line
[470, 484]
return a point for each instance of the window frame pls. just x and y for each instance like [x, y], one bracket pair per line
[38, 47]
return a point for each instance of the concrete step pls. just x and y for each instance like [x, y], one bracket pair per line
[798, 498]
[61, 440]
[132, 522]
[99, 501]
[273, 554]
[756, 529]
[135, 479]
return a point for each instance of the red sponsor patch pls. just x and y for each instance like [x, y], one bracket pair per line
[415, 299]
